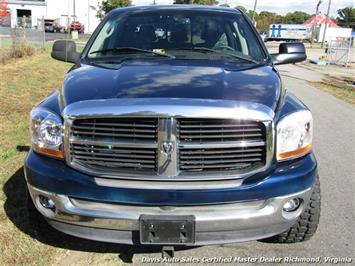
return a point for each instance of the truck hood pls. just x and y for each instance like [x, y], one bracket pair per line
[173, 79]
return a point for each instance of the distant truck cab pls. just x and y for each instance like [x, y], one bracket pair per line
[77, 26]
[53, 25]
[174, 128]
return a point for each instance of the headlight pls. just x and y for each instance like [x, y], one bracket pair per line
[47, 132]
[294, 135]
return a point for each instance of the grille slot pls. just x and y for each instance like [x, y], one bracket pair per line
[206, 130]
[114, 157]
[243, 145]
[114, 145]
[235, 158]
[132, 129]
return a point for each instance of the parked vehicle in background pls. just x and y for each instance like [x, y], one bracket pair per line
[174, 128]
[53, 25]
[289, 32]
[77, 26]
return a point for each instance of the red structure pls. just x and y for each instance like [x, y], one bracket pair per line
[319, 19]
[4, 13]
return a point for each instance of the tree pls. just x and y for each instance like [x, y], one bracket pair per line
[182, 2]
[242, 8]
[265, 18]
[297, 17]
[266, 14]
[108, 5]
[346, 17]
[196, 2]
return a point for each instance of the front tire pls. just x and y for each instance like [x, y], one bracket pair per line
[306, 225]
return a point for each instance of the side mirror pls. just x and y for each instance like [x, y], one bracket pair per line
[65, 51]
[290, 53]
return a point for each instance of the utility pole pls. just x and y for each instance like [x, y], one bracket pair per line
[319, 3]
[326, 24]
[314, 26]
[88, 16]
[74, 11]
[255, 3]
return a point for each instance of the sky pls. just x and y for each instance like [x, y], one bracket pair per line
[277, 6]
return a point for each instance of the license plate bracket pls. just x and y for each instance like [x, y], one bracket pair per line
[167, 230]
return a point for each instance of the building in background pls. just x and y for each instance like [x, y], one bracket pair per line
[29, 13]
[4, 13]
[333, 32]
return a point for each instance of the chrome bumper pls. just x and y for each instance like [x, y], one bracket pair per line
[215, 224]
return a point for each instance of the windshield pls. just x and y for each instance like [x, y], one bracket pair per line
[178, 34]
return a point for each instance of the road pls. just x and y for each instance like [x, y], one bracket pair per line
[334, 146]
[51, 36]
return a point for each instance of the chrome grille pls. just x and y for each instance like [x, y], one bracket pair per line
[114, 145]
[244, 145]
[166, 139]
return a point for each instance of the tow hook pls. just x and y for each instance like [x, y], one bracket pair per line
[167, 252]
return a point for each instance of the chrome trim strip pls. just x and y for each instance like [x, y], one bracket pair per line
[167, 162]
[175, 185]
[227, 144]
[114, 143]
[169, 107]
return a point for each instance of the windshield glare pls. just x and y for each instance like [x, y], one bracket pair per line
[178, 33]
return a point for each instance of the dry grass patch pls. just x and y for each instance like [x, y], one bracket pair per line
[15, 51]
[341, 89]
[23, 83]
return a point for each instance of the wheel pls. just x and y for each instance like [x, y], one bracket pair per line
[307, 223]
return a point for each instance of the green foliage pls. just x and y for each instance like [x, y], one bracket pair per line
[196, 2]
[108, 5]
[346, 17]
[297, 17]
[265, 18]
[242, 8]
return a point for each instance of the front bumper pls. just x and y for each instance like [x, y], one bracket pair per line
[249, 211]
[215, 224]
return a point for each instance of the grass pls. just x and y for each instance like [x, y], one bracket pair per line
[23, 83]
[340, 89]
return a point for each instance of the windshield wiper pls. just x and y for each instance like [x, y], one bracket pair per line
[205, 49]
[125, 50]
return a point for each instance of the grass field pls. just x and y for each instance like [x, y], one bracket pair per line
[23, 83]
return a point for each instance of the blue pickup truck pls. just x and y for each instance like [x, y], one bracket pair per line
[173, 127]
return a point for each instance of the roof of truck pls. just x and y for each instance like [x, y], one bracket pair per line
[176, 7]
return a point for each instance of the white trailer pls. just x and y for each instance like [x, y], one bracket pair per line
[289, 32]
[332, 34]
